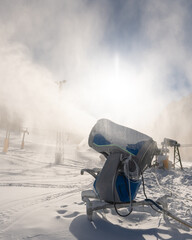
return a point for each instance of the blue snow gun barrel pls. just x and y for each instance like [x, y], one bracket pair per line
[128, 154]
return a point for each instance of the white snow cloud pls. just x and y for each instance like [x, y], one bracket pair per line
[119, 60]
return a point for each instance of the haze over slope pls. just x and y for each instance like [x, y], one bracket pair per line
[176, 122]
[123, 60]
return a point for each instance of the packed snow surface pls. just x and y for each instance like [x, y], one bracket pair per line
[42, 200]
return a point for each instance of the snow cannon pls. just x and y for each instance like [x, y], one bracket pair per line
[128, 154]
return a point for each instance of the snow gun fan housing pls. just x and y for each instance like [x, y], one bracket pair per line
[128, 154]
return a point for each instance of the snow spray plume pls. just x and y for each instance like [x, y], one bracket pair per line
[121, 61]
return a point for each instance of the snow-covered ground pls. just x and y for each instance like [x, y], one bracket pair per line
[41, 200]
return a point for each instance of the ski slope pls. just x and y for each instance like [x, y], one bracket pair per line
[41, 200]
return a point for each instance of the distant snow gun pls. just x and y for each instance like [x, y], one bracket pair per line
[162, 158]
[128, 154]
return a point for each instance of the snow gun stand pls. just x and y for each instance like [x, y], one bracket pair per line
[94, 203]
[128, 154]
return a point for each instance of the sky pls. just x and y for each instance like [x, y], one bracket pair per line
[123, 60]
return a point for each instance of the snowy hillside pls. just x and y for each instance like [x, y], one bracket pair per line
[41, 200]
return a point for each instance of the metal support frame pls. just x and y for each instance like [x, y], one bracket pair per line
[96, 204]
[59, 151]
[177, 157]
[59, 154]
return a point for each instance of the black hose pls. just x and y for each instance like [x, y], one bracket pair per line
[113, 191]
[147, 199]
